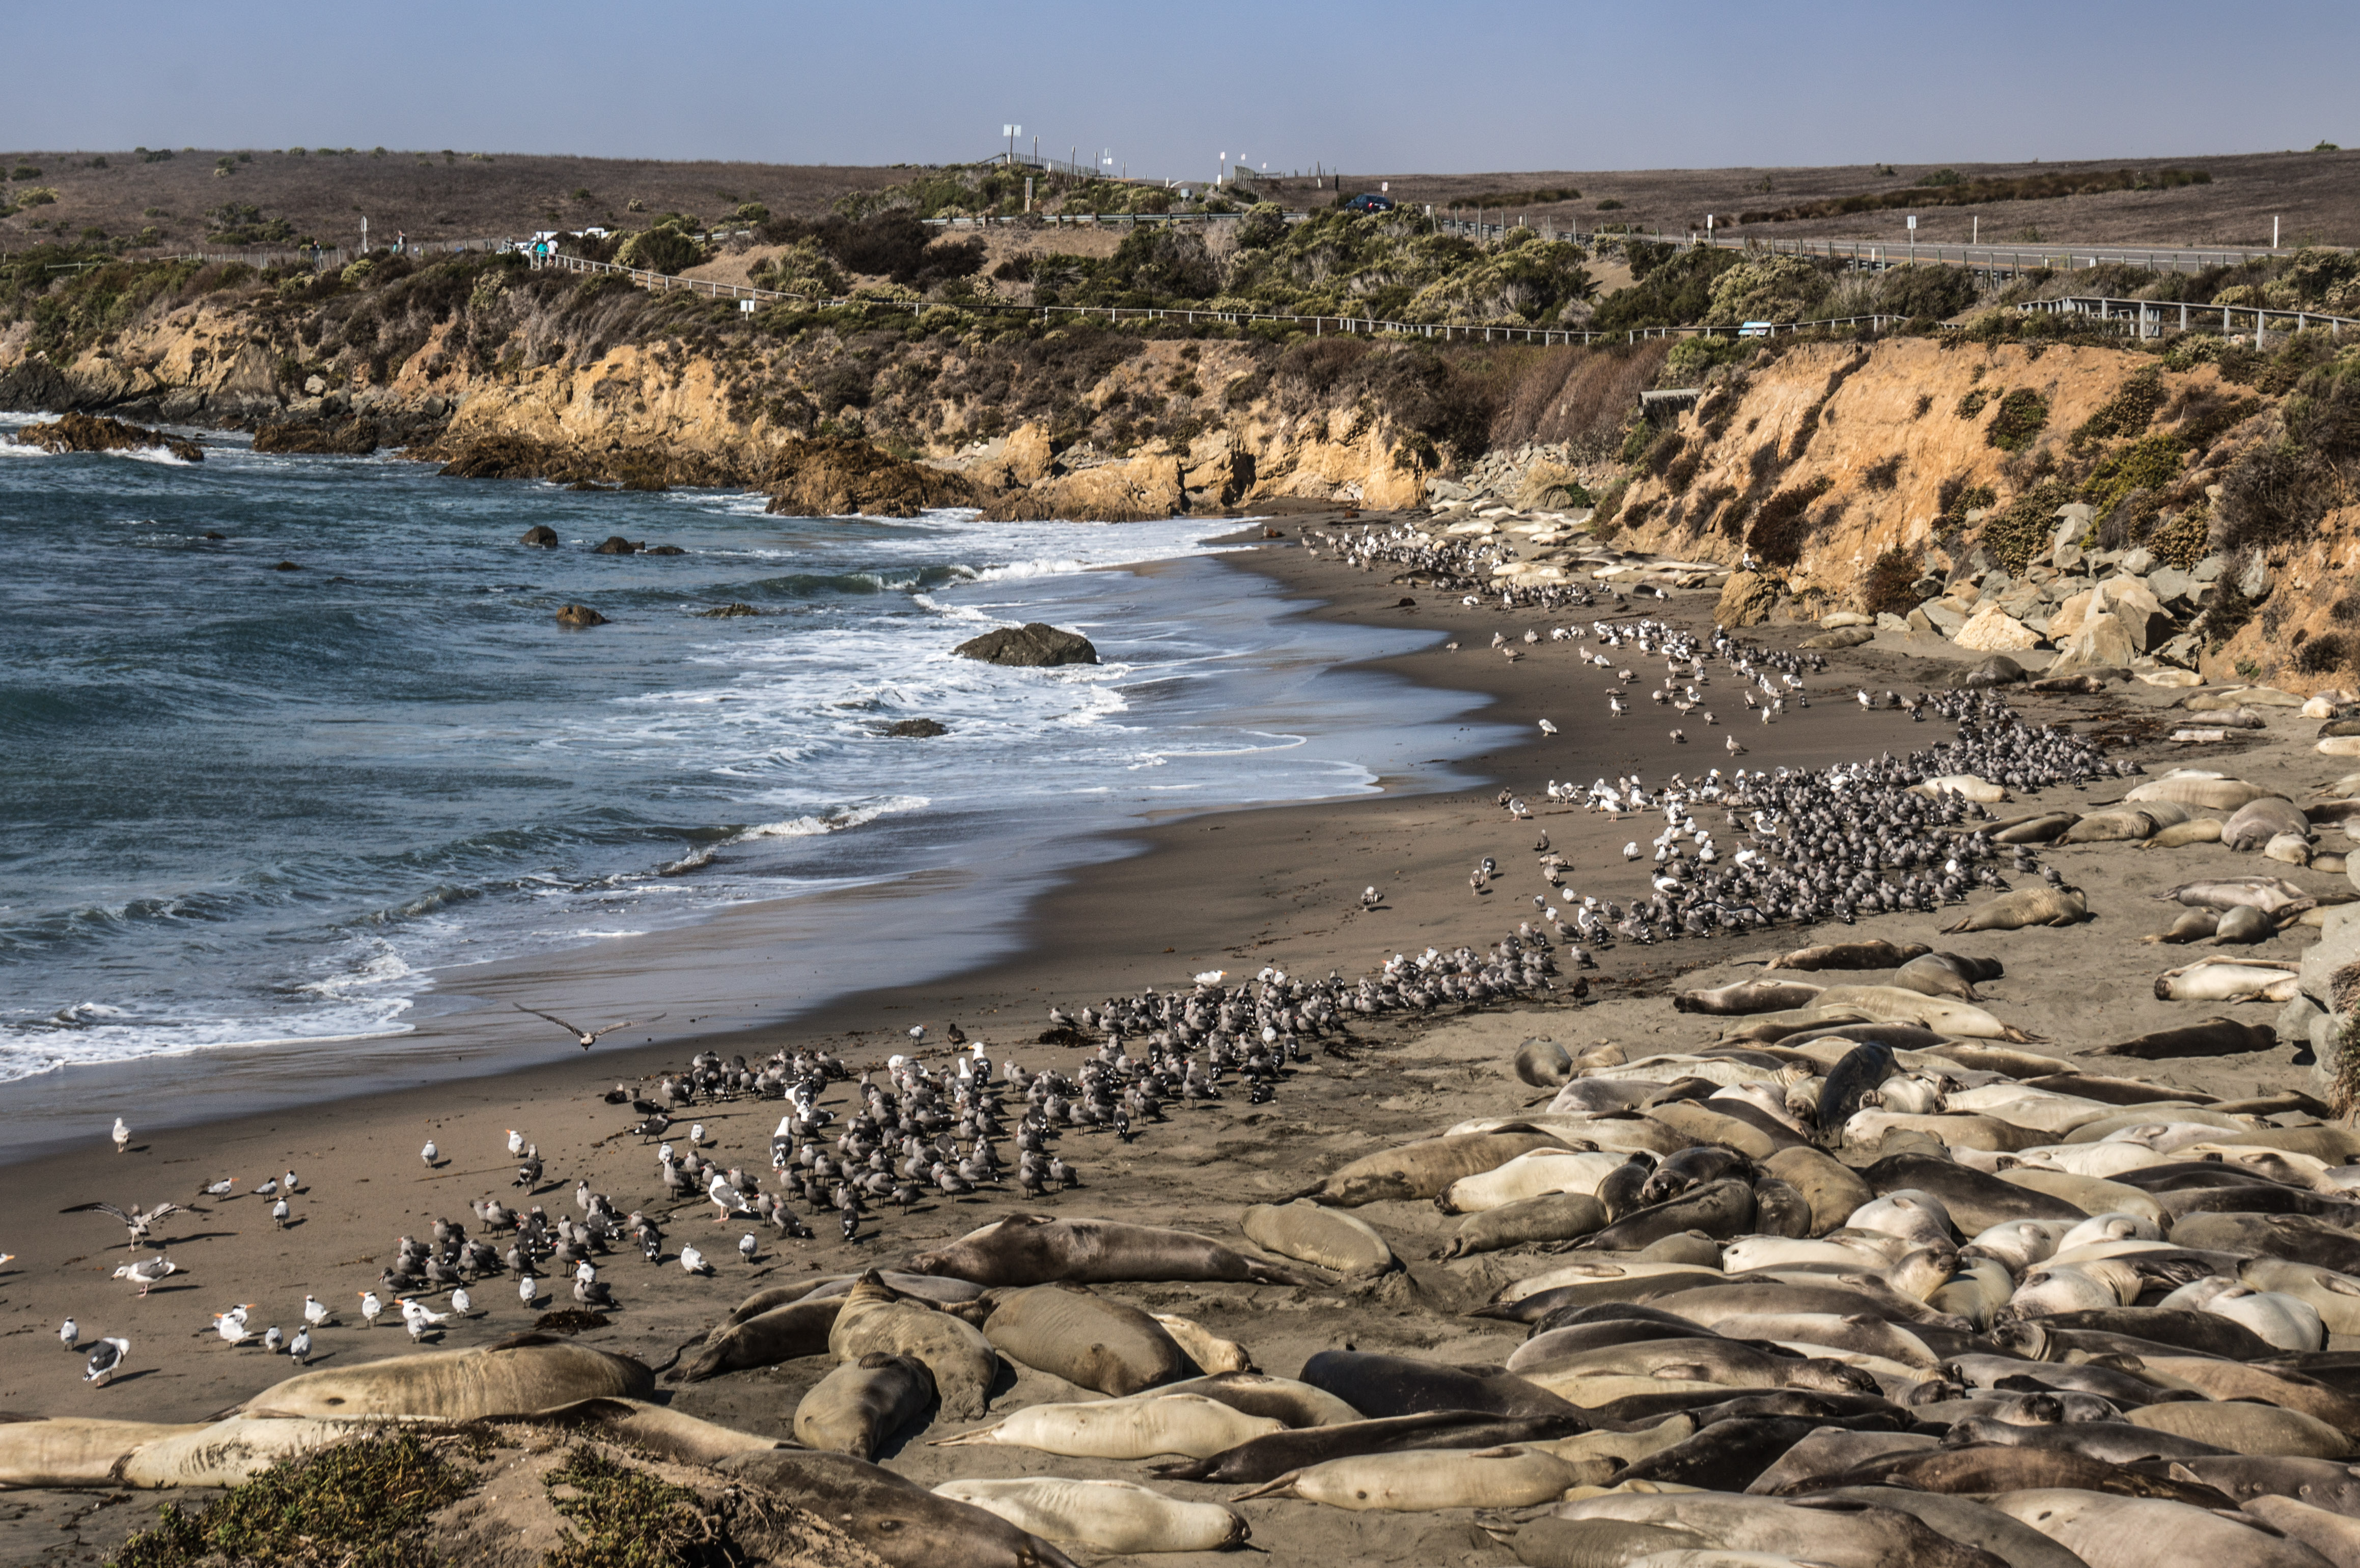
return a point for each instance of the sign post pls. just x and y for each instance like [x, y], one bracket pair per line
[1913, 238]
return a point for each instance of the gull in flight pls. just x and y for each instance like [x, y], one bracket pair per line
[584, 1038]
[137, 1223]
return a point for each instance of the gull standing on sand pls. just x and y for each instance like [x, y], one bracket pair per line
[69, 1334]
[278, 1213]
[583, 1038]
[148, 1272]
[694, 1261]
[122, 1135]
[428, 1153]
[272, 1340]
[1548, 728]
[748, 1246]
[516, 1143]
[298, 1349]
[527, 1287]
[106, 1360]
[461, 1303]
[221, 1189]
[370, 1307]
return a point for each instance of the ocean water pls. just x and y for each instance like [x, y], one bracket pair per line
[247, 808]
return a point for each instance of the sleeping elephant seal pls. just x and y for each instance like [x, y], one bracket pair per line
[1117, 1517]
[1507, 1477]
[941, 1290]
[2042, 906]
[1209, 1351]
[1542, 1063]
[2105, 1530]
[521, 1375]
[856, 1407]
[1297, 1404]
[1975, 1201]
[2213, 1037]
[1946, 974]
[1876, 955]
[72, 1451]
[1851, 1084]
[75, 1451]
[1849, 1535]
[1109, 1346]
[1721, 1210]
[1302, 1230]
[1379, 1386]
[1748, 996]
[1039, 1249]
[878, 1319]
[783, 1334]
[1832, 1189]
[1421, 1170]
[659, 1430]
[1267, 1458]
[900, 1522]
[1553, 1216]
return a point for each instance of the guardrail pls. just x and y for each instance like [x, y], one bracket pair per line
[1447, 331]
[2147, 318]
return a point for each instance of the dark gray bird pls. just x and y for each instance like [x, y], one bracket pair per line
[106, 1361]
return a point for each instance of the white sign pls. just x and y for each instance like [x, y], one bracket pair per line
[1913, 220]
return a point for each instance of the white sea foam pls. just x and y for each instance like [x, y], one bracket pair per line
[832, 822]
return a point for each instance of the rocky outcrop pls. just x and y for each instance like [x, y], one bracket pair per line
[1031, 646]
[85, 432]
[1138, 490]
[831, 476]
[730, 611]
[579, 615]
[1746, 600]
[351, 436]
[917, 729]
[541, 536]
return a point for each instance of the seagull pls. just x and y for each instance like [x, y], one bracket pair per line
[122, 1135]
[315, 1311]
[461, 1303]
[583, 1038]
[1548, 728]
[1211, 976]
[417, 1318]
[69, 1334]
[1631, 850]
[371, 1307]
[298, 1349]
[429, 1153]
[278, 1213]
[527, 1288]
[106, 1360]
[272, 1340]
[748, 1246]
[148, 1272]
[696, 1135]
[516, 1142]
[137, 1223]
[1679, 738]
[1735, 749]
[231, 1326]
[1369, 898]
[221, 1189]
[694, 1261]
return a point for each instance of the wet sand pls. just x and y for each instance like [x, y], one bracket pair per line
[1234, 890]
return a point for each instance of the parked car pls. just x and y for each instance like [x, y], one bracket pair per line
[1370, 202]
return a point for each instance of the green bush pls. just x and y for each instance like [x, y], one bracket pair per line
[2022, 416]
[363, 1502]
[2152, 463]
[1767, 289]
[1926, 292]
[2021, 534]
[1889, 586]
[2127, 412]
[664, 250]
[24, 171]
[36, 196]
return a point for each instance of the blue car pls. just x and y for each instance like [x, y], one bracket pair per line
[1370, 202]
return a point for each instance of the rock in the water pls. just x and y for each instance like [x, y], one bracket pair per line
[729, 611]
[86, 433]
[579, 615]
[831, 476]
[917, 729]
[617, 545]
[661, 550]
[1033, 646]
[287, 566]
[351, 436]
[539, 535]
[1746, 600]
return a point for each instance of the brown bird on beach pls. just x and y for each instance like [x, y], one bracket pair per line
[584, 1038]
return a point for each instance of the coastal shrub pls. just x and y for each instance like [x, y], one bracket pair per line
[2127, 412]
[1923, 290]
[1661, 452]
[1980, 191]
[2324, 653]
[2226, 608]
[1682, 470]
[365, 1501]
[2203, 415]
[664, 250]
[1263, 224]
[1692, 359]
[2183, 540]
[1883, 477]
[1670, 289]
[1780, 529]
[1974, 402]
[625, 1517]
[1767, 289]
[2022, 414]
[1889, 586]
[2346, 610]
[2274, 494]
[34, 196]
[2152, 462]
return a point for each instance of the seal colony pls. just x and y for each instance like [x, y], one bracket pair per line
[1832, 1251]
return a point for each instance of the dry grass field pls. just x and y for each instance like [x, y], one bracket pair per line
[437, 196]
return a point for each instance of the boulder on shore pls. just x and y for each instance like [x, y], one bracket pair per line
[832, 477]
[1031, 646]
[579, 615]
[1746, 600]
[353, 436]
[91, 432]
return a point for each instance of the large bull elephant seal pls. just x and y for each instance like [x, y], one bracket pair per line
[523, 1376]
[1039, 1249]
[878, 1319]
[855, 1408]
[1109, 1347]
[783, 1334]
[900, 1520]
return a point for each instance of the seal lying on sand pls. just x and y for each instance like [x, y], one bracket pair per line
[1041, 1249]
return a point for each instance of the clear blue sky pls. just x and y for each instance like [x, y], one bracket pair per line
[1494, 84]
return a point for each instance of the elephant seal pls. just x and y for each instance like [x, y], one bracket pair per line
[520, 1376]
[1124, 1429]
[1302, 1230]
[2259, 821]
[1108, 1346]
[1976, 1202]
[1964, 1521]
[1946, 974]
[1851, 1084]
[1780, 1210]
[2267, 894]
[1553, 1216]
[76, 1451]
[64, 1451]
[2190, 925]
[1875, 954]
[856, 1407]
[941, 1290]
[2208, 1039]
[2042, 906]
[1117, 1517]
[1747, 997]
[2041, 828]
[2243, 926]
[2330, 1534]
[659, 1430]
[1507, 1477]
[1284, 1399]
[897, 1519]
[1983, 1468]
[2240, 1427]
[1719, 1209]
[1267, 1458]
[2106, 1530]
[1834, 1191]
[2229, 980]
[1379, 1386]
[1529, 1176]
[1691, 1168]
[1727, 1456]
[1829, 1450]
[783, 1333]
[877, 1319]
[1423, 1170]
[1619, 1189]
[1209, 1351]
[1040, 1250]
[2204, 791]
[2196, 830]
[2323, 1483]
[1799, 1530]
[1542, 1063]
[2203, 1332]
[1699, 1122]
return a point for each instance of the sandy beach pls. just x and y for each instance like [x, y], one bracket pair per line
[1233, 891]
